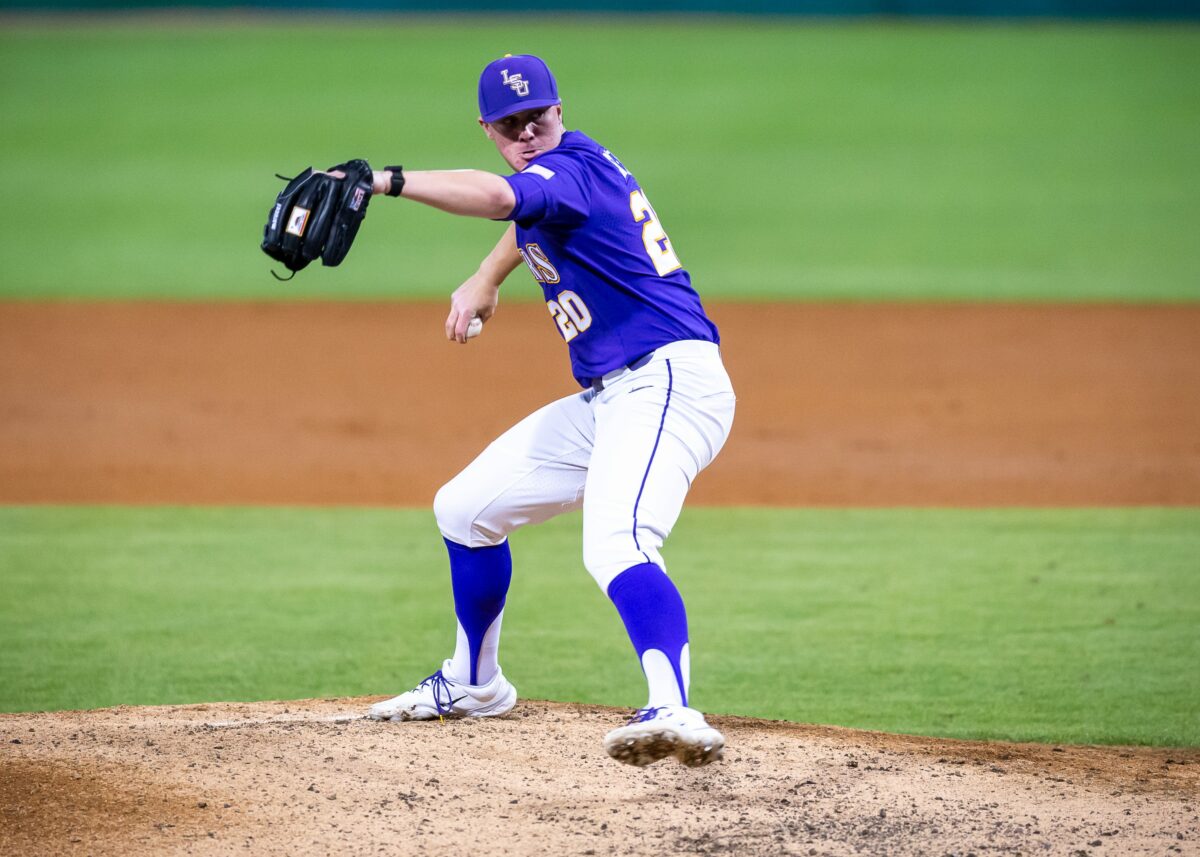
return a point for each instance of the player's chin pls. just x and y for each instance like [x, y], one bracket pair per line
[520, 160]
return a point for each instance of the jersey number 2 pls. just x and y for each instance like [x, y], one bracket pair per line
[658, 245]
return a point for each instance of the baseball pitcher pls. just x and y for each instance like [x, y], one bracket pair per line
[655, 408]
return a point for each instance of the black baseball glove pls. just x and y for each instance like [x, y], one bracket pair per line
[318, 215]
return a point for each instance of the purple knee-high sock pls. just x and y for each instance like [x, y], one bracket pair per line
[653, 612]
[480, 579]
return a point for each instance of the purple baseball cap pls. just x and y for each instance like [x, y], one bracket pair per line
[512, 84]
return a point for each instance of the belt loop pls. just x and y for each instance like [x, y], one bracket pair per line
[598, 381]
[640, 362]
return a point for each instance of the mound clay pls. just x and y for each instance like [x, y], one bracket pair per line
[313, 777]
[365, 403]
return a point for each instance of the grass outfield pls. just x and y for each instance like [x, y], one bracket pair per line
[789, 159]
[1054, 625]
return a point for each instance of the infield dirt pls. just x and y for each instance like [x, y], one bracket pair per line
[366, 403]
[859, 405]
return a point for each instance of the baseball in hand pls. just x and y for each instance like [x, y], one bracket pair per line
[475, 327]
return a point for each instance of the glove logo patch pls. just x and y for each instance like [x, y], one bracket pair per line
[297, 221]
[357, 200]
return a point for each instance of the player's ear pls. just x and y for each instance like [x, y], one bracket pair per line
[489, 131]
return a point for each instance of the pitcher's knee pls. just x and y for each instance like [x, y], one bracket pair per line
[605, 561]
[457, 509]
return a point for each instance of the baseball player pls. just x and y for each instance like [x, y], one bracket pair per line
[655, 408]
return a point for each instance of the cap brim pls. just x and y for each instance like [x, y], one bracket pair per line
[531, 104]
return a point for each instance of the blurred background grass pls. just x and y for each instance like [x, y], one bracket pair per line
[1051, 625]
[789, 159]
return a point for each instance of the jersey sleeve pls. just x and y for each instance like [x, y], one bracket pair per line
[552, 191]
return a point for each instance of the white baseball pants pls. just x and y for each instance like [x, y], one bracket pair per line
[627, 454]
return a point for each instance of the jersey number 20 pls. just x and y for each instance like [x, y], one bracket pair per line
[658, 245]
[570, 314]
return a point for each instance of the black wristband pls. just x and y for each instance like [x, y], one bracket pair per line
[397, 180]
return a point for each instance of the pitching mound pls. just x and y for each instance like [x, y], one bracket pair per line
[313, 777]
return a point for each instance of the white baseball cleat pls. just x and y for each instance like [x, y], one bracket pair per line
[441, 696]
[668, 730]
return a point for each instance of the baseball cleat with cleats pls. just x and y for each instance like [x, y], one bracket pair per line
[441, 696]
[667, 730]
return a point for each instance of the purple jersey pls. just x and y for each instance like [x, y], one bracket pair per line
[612, 281]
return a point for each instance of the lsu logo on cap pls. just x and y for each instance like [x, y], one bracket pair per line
[516, 83]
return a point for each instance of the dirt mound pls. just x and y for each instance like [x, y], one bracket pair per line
[314, 777]
[867, 404]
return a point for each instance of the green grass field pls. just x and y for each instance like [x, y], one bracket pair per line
[788, 160]
[1064, 625]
